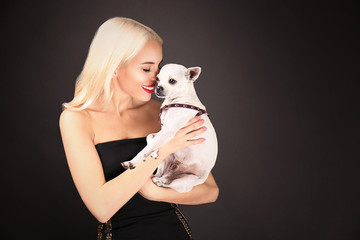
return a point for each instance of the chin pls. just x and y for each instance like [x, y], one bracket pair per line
[145, 98]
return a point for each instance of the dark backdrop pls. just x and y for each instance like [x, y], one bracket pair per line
[278, 81]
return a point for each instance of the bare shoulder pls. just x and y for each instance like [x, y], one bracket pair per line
[75, 121]
[69, 117]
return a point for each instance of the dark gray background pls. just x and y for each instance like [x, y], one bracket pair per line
[278, 81]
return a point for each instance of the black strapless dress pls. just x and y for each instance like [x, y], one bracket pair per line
[139, 218]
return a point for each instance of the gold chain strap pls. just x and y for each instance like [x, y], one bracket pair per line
[108, 229]
[183, 220]
[99, 230]
[109, 225]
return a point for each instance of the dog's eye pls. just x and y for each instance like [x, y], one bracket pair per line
[172, 81]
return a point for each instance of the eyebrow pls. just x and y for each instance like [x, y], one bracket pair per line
[150, 62]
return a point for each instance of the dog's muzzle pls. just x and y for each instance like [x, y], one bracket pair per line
[159, 91]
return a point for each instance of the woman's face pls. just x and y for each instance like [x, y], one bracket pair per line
[138, 77]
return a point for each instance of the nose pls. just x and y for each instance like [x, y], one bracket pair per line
[159, 89]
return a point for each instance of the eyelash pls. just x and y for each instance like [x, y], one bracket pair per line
[148, 70]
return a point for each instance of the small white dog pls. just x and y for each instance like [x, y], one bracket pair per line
[190, 166]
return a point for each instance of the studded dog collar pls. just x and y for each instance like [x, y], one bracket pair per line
[200, 111]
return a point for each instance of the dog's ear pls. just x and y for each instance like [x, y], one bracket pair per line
[193, 73]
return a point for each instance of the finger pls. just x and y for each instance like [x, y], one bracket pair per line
[196, 132]
[195, 141]
[193, 120]
[194, 125]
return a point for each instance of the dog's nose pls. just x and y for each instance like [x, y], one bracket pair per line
[159, 89]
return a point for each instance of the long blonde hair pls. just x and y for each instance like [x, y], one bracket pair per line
[116, 41]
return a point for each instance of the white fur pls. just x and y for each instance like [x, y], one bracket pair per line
[194, 162]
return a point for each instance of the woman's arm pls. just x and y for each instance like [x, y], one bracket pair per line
[102, 198]
[200, 194]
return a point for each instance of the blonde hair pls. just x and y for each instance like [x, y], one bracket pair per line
[116, 42]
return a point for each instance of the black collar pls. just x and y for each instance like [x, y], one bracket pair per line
[200, 111]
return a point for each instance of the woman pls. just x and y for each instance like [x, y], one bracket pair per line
[106, 123]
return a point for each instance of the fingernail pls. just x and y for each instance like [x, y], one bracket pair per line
[202, 120]
[205, 128]
[198, 117]
[204, 140]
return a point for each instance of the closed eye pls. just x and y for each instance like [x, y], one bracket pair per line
[146, 70]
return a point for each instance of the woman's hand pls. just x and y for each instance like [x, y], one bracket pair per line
[186, 136]
[204, 193]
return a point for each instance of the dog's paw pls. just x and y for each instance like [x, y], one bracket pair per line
[128, 165]
[145, 156]
[150, 137]
[157, 181]
[139, 157]
[161, 181]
